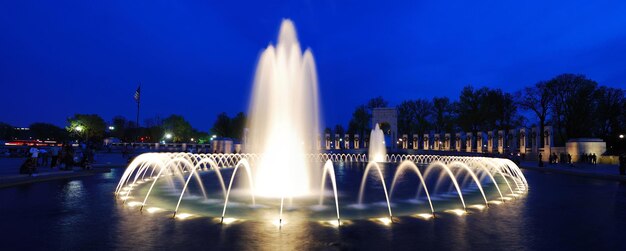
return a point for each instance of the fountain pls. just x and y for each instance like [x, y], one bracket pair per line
[377, 150]
[275, 179]
[284, 117]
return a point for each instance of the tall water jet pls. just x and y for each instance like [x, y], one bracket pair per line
[377, 151]
[284, 118]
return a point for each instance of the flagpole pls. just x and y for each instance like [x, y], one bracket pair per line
[138, 102]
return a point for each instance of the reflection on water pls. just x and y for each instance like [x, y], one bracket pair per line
[83, 215]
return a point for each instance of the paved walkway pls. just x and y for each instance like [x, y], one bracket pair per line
[10, 176]
[600, 171]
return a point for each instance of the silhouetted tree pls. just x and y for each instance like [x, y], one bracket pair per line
[90, 127]
[360, 121]
[572, 105]
[180, 129]
[414, 116]
[442, 114]
[537, 99]
[7, 131]
[45, 131]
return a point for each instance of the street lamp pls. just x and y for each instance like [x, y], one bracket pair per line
[78, 128]
[111, 128]
[621, 136]
[168, 136]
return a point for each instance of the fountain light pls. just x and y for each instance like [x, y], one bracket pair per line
[229, 220]
[335, 223]
[495, 202]
[183, 216]
[153, 210]
[133, 203]
[279, 222]
[458, 212]
[384, 220]
[478, 206]
[425, 216]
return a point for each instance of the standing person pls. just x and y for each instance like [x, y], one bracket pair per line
[34, 154]
[540, 160]
[54, 153]
[569, 160]
[593, 158]
[68, 157]
[43, 154]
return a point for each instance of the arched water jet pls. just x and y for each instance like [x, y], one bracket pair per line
[493, 180]
[450, 174]
[246, 167]
[473, 175]
[382, 179]
[192, 173]
[330, 169]
[216, 168]
[409, 164]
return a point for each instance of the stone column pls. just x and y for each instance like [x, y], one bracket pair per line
[490, 141]
[366, 141]
[426, 142]
[457, 141]
[468, 142]
[522, 140]
[480, 141]
[356, 141]
[415, 141]
[534, 139]
[337, 141]
[405, 141]
[447, 142]
[501, 139]
[327, 141]
[346, 141]
[512, 141]
[548, 137]
[437, 142]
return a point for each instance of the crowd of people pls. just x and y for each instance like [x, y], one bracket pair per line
[63, 157]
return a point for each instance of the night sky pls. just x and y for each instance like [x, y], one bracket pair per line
[198, 58]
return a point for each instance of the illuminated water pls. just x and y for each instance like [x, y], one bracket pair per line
[558, 213]
[284, 117]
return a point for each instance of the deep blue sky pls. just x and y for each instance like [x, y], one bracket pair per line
[198, 58]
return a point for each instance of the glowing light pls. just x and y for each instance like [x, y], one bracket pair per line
[621, 136]
[278, 222]
[111, 128]
[78, 128]
[496, 202]
[125, 197]
[478, 206]
[183, 216]
[384, 220]
[458, 212]
[424, 216]
[134, 203]
[332, 223]
[229, 220]
[154, 210]
[168, 135]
